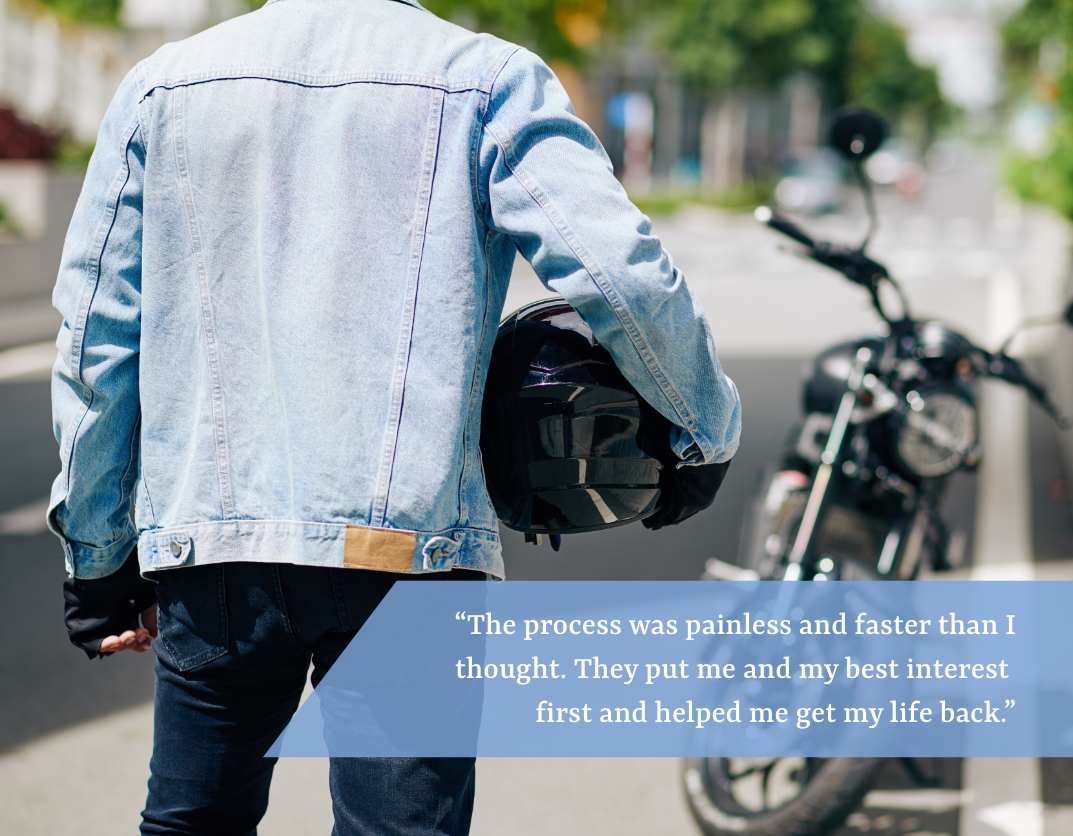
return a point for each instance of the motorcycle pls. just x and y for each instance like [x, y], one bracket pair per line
[855, 497]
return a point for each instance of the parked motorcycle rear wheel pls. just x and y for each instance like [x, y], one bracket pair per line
[775, 796]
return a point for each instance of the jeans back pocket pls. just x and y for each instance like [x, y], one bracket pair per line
[192, 616]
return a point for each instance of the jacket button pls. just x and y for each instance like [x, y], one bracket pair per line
[175, 548]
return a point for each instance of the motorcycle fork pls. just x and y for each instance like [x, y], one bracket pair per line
[914, 545]
[824, 473]
[906, 542]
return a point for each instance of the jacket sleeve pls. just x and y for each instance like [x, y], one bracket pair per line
[95, 402]
[546, 182]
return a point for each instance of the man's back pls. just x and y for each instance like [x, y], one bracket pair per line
[310, 218]
[280, 291]
[301, 145]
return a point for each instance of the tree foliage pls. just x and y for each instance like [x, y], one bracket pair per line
[557, 30]
[716, 45]
[94, 12]
[1050, 180]
[1034, 23]
[1026, 37]
[881, 75]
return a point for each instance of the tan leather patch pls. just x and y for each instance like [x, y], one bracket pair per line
[379, 549]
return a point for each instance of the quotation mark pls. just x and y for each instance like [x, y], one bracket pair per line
[460, 616]
[1011, 703]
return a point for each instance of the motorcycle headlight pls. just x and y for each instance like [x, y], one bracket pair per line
[937, 433]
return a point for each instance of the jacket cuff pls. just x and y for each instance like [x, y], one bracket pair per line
[689, 449]
[693, 454]
[88, 563]
[84, 561]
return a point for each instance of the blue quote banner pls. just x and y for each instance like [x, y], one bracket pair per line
[701, 669]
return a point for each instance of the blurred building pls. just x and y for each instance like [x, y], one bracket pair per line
[58, 75]
[63, 76]
[56, 81]
[714, 144]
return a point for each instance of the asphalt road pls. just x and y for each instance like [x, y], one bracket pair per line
[45, 684]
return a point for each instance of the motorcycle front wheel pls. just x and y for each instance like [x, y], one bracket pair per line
[775, 796]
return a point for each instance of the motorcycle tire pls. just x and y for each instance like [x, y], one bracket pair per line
[827, 791]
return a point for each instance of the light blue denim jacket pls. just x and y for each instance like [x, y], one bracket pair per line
[284, 275]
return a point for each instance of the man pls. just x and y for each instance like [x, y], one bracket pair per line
[280, 290]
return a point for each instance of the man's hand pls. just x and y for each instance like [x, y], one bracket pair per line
[102, 614]
[137, 640]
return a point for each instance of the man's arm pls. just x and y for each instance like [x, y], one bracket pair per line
[95, 401]
[547, 184]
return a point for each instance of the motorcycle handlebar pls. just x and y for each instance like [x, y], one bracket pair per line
[780, 223]
[1006, 368]
[851, 263]
[859, 268]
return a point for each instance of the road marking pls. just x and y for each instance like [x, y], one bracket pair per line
[1003, 515]
[27, 362]
[925, 801]
[27, 520]
[1005, 790]
[1014, 818]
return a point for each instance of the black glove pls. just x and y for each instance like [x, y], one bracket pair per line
[102, 607]
[685, 491]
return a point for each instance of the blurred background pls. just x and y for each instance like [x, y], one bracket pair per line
[707, 108]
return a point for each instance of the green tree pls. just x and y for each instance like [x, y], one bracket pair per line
[94, 12]
[1036, 22]
[881, 75]
[557, 30]
[756, 44]
[718, 44]
[1041, 33]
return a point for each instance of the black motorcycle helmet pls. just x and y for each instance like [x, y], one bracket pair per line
[567, 443]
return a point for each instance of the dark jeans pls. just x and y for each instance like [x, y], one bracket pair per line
[232, 656]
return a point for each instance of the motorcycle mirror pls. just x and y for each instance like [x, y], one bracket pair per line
[857, 133]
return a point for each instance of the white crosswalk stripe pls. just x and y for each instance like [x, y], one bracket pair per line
[27, 520]
[27, 362]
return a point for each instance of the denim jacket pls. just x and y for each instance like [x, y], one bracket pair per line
[284, 275]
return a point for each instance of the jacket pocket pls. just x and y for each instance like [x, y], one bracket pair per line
[192, 616]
